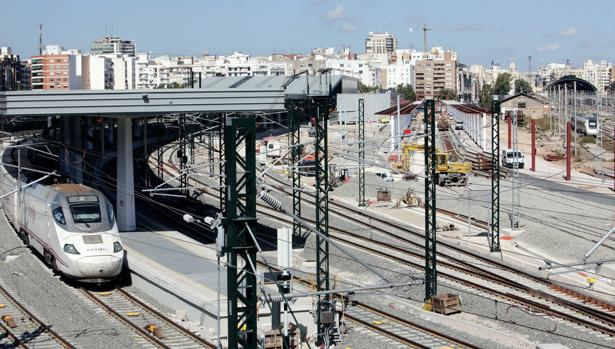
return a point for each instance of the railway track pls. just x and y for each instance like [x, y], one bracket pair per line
[476, 273]
[399, 329]
[391, 326]
[396, 328]
[154, 328]
[23, 329]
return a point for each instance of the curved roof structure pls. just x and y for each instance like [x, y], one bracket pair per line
[568, 83]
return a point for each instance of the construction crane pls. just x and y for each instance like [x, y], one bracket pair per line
[425, 30]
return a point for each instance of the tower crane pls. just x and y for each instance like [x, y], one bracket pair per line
[425, 29]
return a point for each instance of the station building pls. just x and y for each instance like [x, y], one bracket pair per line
[531, 105]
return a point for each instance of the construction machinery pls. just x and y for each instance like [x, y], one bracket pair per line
[448, 173]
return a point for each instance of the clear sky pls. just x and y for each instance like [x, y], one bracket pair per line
[548, 30]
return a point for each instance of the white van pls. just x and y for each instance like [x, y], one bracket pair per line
[510, 157]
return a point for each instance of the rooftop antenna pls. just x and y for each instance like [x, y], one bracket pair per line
[40, 39]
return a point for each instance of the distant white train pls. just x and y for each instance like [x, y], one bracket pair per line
[71, 225]
[586, 124]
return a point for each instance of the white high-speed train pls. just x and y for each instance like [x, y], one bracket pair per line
[586, 124]
[71, 225]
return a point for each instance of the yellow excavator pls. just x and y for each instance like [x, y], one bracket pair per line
[448, 173]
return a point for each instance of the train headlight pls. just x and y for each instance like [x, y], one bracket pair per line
[70, 248]
[117, 247]
[58, 215]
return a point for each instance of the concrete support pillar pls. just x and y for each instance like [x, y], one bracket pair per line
[71, 160]
[125, 210]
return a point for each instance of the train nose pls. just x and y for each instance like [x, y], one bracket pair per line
[99, 266]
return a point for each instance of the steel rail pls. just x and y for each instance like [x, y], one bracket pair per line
[42, 326]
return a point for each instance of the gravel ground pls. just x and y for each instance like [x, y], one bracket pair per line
[558, 220]
[516, 323]
[56, 303]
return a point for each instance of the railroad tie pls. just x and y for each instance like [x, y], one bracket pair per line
[10, 322]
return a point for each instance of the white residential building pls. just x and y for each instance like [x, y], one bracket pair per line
[400, 74]
[598, 73]
[123, 72]
[354, 68]
[97, 73]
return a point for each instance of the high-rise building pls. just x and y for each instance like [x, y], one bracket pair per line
[598, 73]
[113, 45]
[14, 74]
[433, 75]
[56, 72]
[613, 74]
[97, 73]
[380, 43]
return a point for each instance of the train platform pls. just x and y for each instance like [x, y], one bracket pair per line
[182, 273]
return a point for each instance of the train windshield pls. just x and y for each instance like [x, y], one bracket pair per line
[592, 122]
[84, 208]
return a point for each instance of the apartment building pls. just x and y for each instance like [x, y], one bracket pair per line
[359, 69]
[113, 45]
[14, 73]
[433, 75]
[598, 73]
[400, 74]
[56, 72]
[96, 73]
[380, 43]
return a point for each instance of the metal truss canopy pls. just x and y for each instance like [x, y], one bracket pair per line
[226, 94]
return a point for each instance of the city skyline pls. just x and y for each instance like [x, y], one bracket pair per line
[258, 29]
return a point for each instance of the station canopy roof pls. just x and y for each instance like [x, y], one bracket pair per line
[216, 95]
[467, 108]
[568, 82]
[405, 107]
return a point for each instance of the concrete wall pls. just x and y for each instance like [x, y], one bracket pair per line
[348, 103]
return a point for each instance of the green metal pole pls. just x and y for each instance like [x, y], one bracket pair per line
[324, 311]
[295, 139]
[494, 245]
[430, 200]
[362, 201]
[240, 220]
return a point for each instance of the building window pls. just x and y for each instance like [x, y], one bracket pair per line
[521, 105]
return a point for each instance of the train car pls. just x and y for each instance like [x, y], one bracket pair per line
[71, 225]
[586, 124]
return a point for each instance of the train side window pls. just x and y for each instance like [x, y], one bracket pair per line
[110, 214]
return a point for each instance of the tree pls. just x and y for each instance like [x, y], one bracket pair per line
[485, 96]
[523, 86]
[406, 92]
[368, 89]
[502, 84]
[448, 94]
